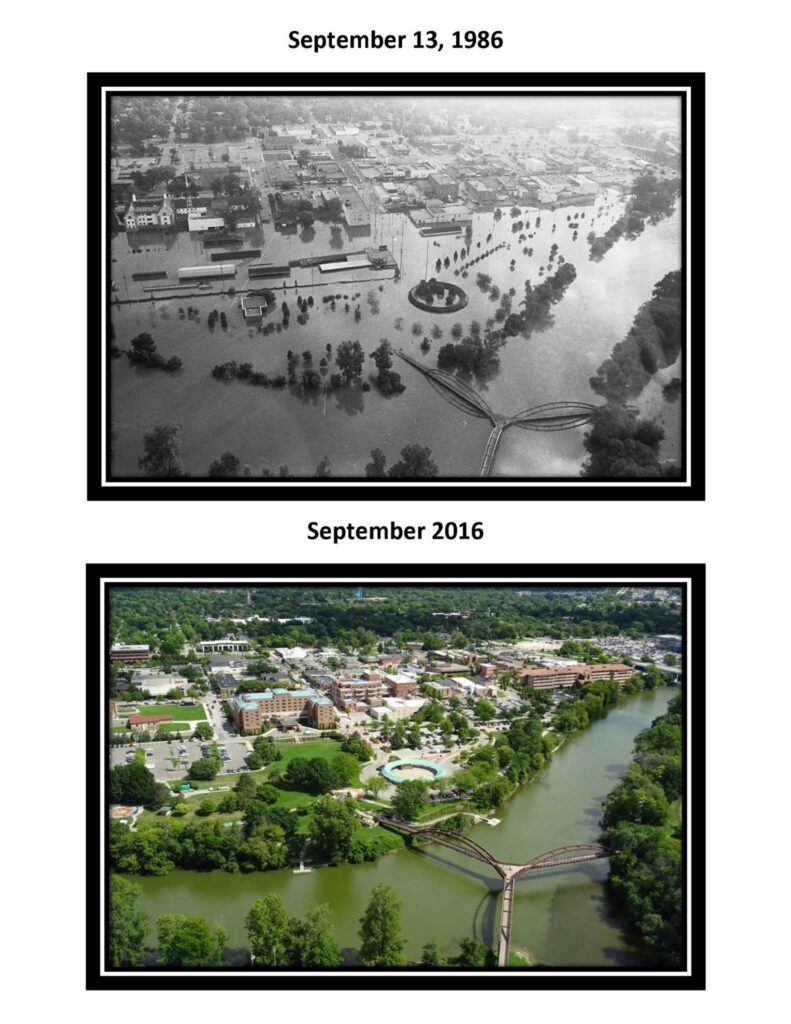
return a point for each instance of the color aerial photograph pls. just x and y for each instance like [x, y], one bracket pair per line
[395, 287]
[428, 778]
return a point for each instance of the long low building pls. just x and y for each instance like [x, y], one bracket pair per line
[226, 644]
[251, 710]
[216, 270]
[141, 722]
[573, 675]
[130, 652]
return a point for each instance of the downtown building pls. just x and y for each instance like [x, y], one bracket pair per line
[130, 652]
[574, 675]
[250, 710]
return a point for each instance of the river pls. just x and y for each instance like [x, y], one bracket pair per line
[561, 916]
[267, 427]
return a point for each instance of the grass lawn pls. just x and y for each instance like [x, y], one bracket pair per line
[189, 714]
[287, 798]
[119, 728]
[166, 727]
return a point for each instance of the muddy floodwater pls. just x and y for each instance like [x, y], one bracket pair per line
[266, 428]
[562, 916]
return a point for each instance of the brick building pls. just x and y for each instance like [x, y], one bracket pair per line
[251, 710]
[573, 675]
[130, 652]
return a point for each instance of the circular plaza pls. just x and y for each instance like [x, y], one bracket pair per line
[435, 296]
[413, 768]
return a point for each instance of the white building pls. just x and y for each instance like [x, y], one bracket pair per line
[159, 684]
[149, 213]
[396, 708]
[291, 653]
[226, 644]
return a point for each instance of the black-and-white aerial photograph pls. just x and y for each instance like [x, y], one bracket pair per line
[380, 287]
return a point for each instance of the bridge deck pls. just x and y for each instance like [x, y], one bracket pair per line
[509, 873]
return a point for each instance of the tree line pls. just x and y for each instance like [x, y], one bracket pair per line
[406, 614]
[641, 822]
[275, 939]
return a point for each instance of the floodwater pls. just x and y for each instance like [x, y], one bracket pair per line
[267, 427]
[561, 916]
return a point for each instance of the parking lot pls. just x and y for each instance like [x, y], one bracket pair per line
[171, 760]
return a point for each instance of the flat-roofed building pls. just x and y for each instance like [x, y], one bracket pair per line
[443, 186]
[401, 685]
[159, 683]
[572, 675]
[226, 644]
[130, 652]
[350, 694]
[444, 668]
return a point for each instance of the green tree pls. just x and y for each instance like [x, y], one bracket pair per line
[269, 931]
[431, 956]
[473, 954]
[376, 785]
[410, 799]
[381, 942]
[132, 783]
[332, 828]
[204, 769]
[203, 731]
[189, 942]
[128, 925]
[313, 942]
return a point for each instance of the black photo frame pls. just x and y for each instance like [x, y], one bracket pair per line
[689, 578]
[690, 87]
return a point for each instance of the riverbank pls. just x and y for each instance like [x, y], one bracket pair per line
[563, 917]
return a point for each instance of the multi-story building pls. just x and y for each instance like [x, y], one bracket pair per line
[155, 212]
[130, 652]
[445, 668]
[443, 186]
[401, 685]
[349, 694]
[572, 675]
[480, 192]
[251, 710]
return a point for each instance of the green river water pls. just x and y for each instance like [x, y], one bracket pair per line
[561, 916]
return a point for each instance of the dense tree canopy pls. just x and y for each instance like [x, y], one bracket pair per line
[381, 942]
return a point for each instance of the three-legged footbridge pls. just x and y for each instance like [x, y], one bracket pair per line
[548, 417]
[575, 853]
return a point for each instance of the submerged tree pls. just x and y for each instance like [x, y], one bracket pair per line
[376, 467]
[162, 448]
[415, 462]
